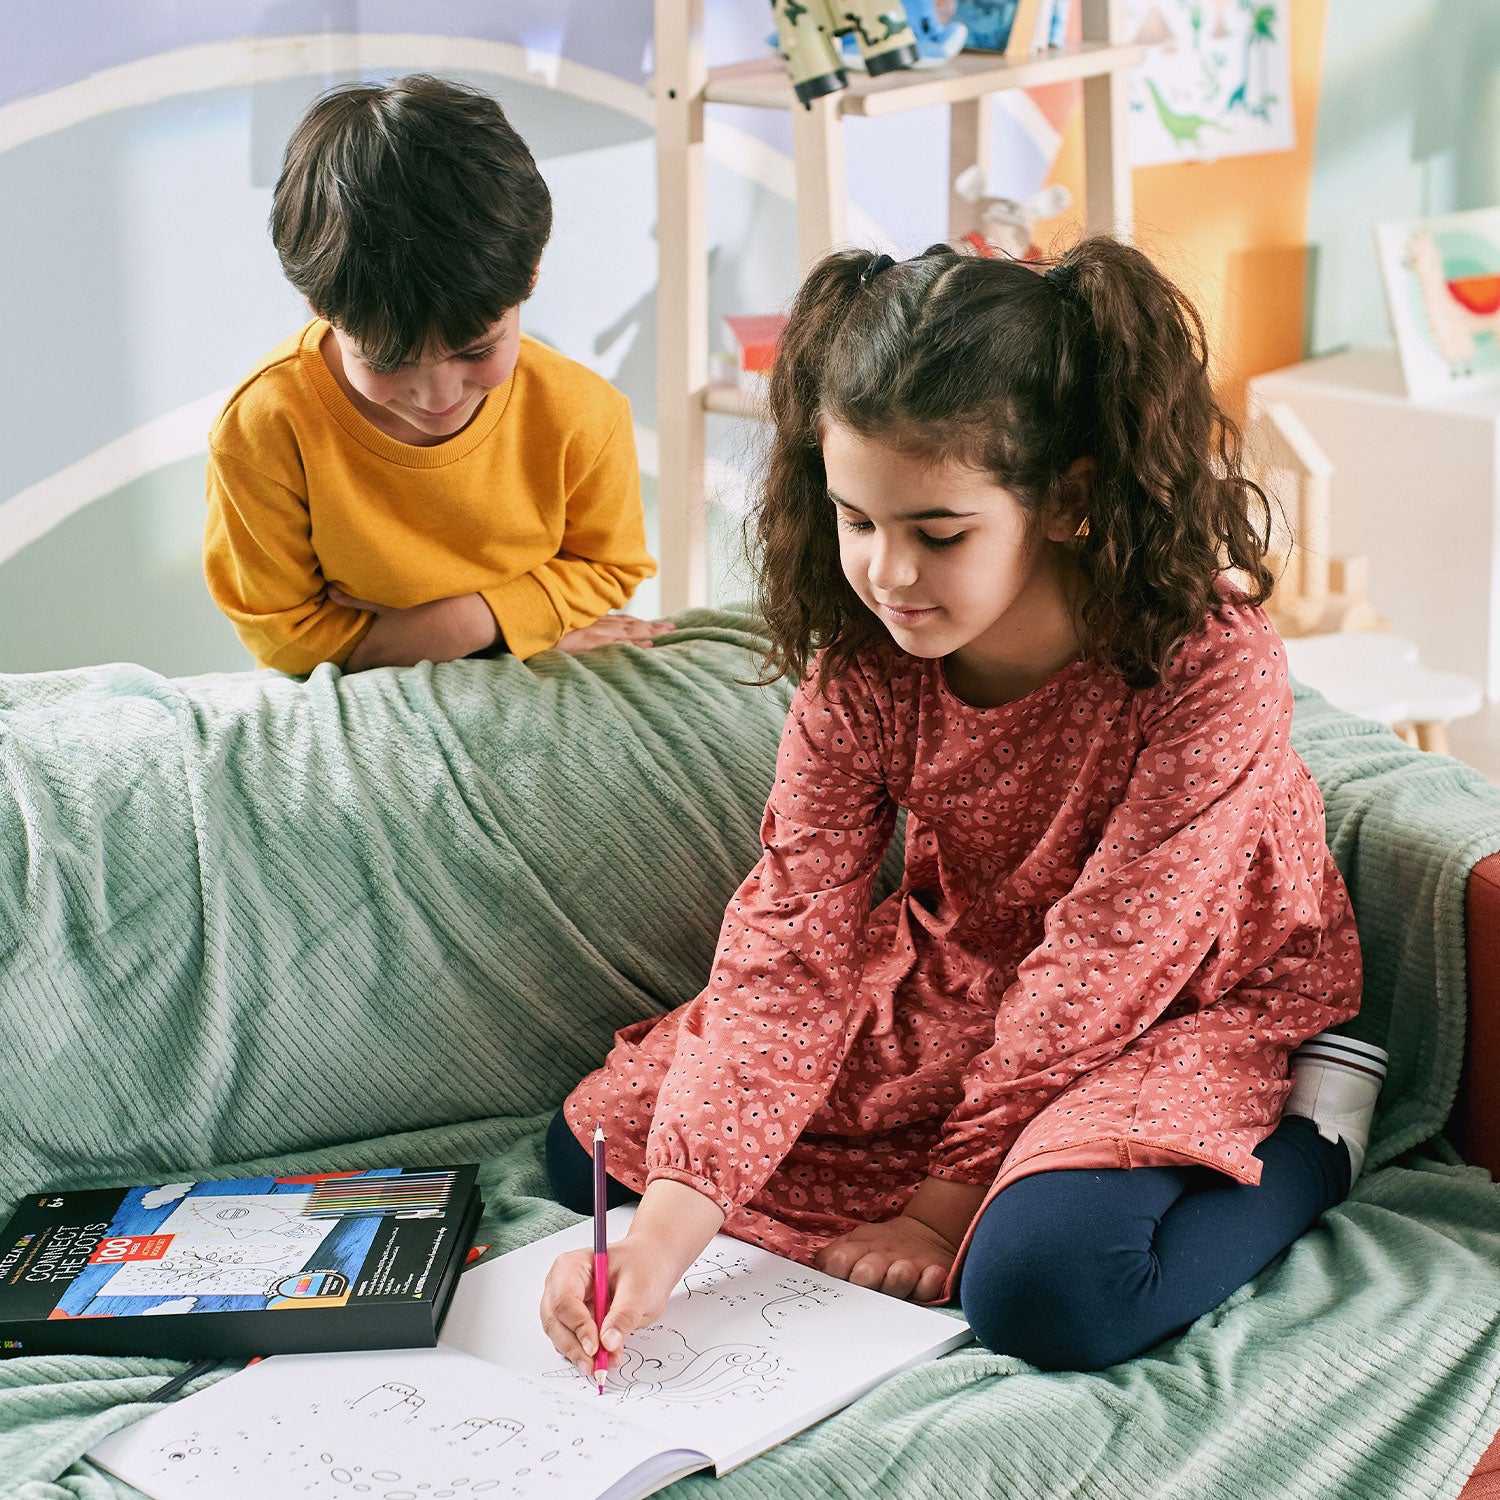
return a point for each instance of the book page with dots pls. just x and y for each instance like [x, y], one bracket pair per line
[420, 1424]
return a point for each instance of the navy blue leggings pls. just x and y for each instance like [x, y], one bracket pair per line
[1078, 1270]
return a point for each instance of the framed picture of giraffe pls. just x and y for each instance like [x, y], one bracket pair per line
[1442, 286]
[1214, 80]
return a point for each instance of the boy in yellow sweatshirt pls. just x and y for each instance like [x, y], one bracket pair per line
[410, 477]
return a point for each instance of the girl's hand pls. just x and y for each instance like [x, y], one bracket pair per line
[902, 1258]
[441, 630]
[609, 629]
[672, 1224]
[642, 1272]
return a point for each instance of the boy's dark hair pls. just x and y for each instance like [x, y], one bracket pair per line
[409, 213]
[1016, 374]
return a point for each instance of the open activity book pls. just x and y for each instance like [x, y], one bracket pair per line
[752, 1349]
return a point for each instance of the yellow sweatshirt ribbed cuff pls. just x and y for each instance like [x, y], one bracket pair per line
[528, 620]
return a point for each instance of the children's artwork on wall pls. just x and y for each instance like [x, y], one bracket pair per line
[1215, 79]
[1442, 286]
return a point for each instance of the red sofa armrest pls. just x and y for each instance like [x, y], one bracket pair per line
[1477, 1116]
[1475, 1126]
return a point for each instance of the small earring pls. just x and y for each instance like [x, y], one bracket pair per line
[1083, 530]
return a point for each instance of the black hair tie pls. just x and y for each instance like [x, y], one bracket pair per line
[873, 267]
[1063, 277]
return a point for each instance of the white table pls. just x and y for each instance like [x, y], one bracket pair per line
[1378, 676]
[1416, 489]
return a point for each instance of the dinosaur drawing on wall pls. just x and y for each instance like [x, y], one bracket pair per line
[1185, 129]
[1214, 80]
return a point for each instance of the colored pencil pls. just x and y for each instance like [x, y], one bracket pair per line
[402, 1193]
[601, 1260]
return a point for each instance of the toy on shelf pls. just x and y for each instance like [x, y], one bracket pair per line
[754, 338]
[1005, 224]
[940, 38]
[988, 22]
[808, 32]
[1057, 24]
[1018, 28]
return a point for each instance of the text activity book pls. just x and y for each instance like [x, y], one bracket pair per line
[752, 1349]
[259, 1265]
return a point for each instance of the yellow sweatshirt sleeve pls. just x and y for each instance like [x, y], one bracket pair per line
[600, 563]
[262, 571]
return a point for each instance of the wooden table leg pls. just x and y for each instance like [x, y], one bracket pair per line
[1432, 736]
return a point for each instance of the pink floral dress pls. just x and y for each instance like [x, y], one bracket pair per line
[1119, 914]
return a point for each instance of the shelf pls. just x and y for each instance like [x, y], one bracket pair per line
[686, 393]
[763, 82]
[729, 400]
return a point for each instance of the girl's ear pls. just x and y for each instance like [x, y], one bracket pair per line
[1070, 519]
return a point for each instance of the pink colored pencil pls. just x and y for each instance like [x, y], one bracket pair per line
[601, 1260]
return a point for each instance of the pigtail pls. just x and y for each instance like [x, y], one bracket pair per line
[802, 593]
[1171, 506]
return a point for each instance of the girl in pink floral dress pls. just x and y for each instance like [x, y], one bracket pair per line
[1008, 550]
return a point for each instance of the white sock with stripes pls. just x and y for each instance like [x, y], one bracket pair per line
[1335, 1083]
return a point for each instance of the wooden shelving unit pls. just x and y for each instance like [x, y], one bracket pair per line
[762, 83]
[684, 86]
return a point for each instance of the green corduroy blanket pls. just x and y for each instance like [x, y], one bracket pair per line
[249, 924]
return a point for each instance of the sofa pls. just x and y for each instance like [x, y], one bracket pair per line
[254, 924]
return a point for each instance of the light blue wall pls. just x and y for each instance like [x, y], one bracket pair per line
[1408, 126]
[137, 277]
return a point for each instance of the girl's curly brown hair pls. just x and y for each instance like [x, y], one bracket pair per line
[990, 364]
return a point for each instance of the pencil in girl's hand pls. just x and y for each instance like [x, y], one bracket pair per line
[601, 1261]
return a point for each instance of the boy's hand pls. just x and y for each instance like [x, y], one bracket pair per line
[441, 630]
[609, 629]
[902, 1257]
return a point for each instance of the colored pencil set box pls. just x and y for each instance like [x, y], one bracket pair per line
[236, 1268]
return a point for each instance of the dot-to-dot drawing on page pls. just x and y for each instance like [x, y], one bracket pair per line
[392, 1397]
[799, 1295]
[484, 1434]
[658, 1364]
[710, 1275]
[345, 1469]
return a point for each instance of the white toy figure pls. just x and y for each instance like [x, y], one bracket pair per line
[1005, 224]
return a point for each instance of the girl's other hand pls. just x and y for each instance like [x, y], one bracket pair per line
[610, 629]
[902, 1257]
[642, 1273]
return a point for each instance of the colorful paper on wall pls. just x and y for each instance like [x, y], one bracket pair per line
[1442, 287]
[1215, 79]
